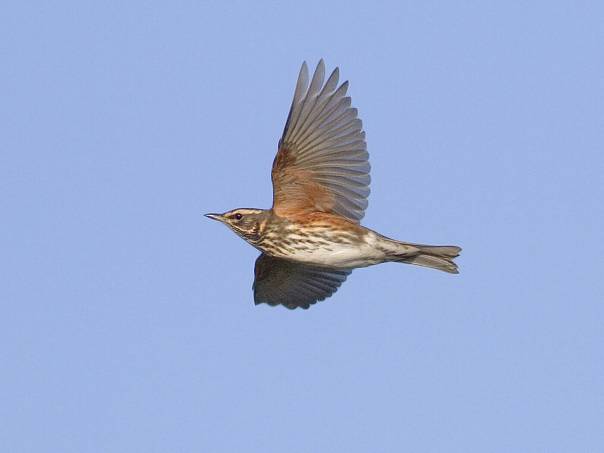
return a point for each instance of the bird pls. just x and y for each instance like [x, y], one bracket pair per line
[311, 238]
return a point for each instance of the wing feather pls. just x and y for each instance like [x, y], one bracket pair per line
[293, 285]
[322, 164]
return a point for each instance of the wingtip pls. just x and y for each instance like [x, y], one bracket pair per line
[322, 63]
[320, 67]
[304, 68]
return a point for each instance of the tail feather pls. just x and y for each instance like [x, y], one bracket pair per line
[435, 256]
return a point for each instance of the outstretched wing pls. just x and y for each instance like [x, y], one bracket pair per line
[293, 285]
[322, 163]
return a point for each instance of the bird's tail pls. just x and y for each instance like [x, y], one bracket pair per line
[435, 256]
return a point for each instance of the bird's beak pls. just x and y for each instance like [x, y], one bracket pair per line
[214, 217]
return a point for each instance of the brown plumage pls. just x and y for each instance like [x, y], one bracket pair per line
[311, 239]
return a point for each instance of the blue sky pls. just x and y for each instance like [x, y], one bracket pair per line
[128, 321]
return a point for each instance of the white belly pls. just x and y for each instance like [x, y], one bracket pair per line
[341, 255]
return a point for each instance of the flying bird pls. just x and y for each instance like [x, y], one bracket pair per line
[311, 239]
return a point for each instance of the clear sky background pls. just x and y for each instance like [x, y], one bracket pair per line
[127, 320]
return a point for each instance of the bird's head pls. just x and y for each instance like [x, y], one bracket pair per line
[243, 221]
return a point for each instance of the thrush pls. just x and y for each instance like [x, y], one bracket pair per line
[311, 239]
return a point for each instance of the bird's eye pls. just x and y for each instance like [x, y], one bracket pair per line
[238, 216]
